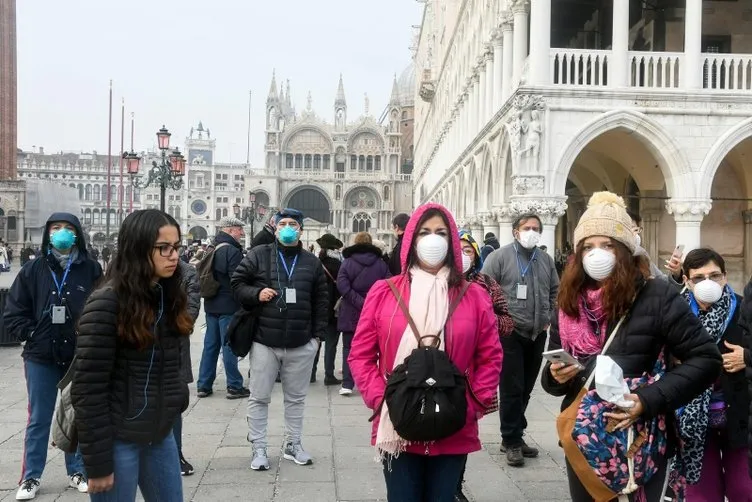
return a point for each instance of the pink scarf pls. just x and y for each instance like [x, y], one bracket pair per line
[429, 308]
[577, 334]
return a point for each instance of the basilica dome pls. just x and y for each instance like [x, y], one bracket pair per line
[406, 86]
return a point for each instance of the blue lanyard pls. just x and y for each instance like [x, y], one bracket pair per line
[60, 285]
[291, 270]
[696, 308]
[523, 271]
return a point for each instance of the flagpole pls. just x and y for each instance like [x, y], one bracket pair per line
[109, 168]
[132, 188]
[121, 189]
[248, 149]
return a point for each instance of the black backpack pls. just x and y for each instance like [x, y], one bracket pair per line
[426, 394]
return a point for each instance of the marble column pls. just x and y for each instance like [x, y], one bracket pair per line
[747, 244]
[504, 219]
[619, 63]
[507, 58]
[480, 119]
[520, 11]
[488, 61]
[488, 220]
[692, 64]
[476, 230]
[498, 71]
[651, 223]
[540, 41]
[688, 215]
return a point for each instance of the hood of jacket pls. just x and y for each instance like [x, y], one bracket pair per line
[365, 254]
[493, 242]
[80, 236]
[411, 230]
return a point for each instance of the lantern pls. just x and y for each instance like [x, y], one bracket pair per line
[177, 163]
[132, 160]
[163, 138]
[236, 209]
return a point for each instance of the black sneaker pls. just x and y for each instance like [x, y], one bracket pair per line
[460, 497]
[240, 393]
[186, 469]
[527, 451]
[313, 378]
[204, 392]
[331, 380]
[514, 456]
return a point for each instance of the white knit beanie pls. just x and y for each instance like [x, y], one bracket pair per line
[607, 216]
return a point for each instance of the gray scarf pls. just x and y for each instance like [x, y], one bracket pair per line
[62, 259]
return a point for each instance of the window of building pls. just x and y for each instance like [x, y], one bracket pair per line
[289, 161]
[218, 176]
[317, 161]
[327, 160]
[353, 162]
[377, 163]
[298, 161]
[224, 199]
[218, 214]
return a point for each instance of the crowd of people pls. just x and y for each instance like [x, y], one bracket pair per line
[436, 333]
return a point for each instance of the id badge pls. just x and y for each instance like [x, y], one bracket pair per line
[290, 296]
[58, 315]
[522, 291]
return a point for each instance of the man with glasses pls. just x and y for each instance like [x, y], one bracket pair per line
[287, 285]
[219, 310]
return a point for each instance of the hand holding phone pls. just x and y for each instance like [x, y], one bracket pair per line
[562, 356]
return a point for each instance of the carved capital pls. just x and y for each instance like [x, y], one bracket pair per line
[548, 209]
[488, 52]
[507, 20]
[503, 214]
[520, 6]
[689, 210]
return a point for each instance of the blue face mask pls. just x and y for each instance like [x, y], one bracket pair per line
[63, 239]
[288, 235]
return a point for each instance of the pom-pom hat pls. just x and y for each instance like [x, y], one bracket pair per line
[606, 215]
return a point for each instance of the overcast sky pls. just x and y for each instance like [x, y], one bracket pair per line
[180, 61]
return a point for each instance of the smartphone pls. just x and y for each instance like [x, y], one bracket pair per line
[678, 251]
[562, 356]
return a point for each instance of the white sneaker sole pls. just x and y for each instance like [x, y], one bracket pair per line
[26, 496]
[345, 392]
[293, 459]
[260, 468]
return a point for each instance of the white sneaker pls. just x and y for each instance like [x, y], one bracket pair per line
[78, 481]
[28, 489]
[345, 392]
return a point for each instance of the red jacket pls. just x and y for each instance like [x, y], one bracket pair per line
[471, 339]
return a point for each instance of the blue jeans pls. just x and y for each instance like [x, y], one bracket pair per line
[177, 432]
[41, 386]
[154, 468]
[418, 478]
[214, 341]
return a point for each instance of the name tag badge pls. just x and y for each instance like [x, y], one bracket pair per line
[58, 315]
[290, 296]
[522, 291]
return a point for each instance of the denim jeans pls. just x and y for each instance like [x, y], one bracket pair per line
[347, 378]
[177, 432]
[154, 468]
[418, 478]
[294, 367]
[214, 341]
[41, 386]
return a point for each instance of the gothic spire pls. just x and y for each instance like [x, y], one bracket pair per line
[288, 96]
[395, 99]
[273, 87]
[340, 101]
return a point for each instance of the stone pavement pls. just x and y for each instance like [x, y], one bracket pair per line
[336, 433]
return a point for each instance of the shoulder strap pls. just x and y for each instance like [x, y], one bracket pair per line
[404, 309]
[458, 299]
[68, 378]
[326, 270]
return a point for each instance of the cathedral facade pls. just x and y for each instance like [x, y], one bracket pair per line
[345, 175]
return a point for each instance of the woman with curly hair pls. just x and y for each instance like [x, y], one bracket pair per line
[127, 388]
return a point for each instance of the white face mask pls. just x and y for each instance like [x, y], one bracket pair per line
[637, 240]
[598, 263]
[529, 239]
[467, 262]
[708, 291]
[432, 250]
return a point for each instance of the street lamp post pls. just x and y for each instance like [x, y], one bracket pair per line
[250, 214]
[169, 173]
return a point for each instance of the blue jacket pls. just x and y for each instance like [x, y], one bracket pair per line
[226, 260]
[28, 311]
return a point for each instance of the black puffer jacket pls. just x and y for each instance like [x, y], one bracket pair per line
[192, 288]
[659, 317]
[279, 326]
[746, 323]
[109, 382]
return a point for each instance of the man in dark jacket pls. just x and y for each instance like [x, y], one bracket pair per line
[193, 290]
[399, 223]
[490, 244]
[219, 310]
[331, 258]
[287, 285]
[44, 304]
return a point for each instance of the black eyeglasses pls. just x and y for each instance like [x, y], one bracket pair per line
[165, 250]
[715, 277]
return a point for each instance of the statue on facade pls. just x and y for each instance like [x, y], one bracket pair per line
[367, 105]
[340, 119]
[208, 134]
[526, 130]
[532, 132]
[272, 118]
[191, 132]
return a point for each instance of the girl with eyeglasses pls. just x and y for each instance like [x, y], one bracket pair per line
[712, 463]
[127, 390]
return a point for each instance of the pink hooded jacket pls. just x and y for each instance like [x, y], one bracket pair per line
[471, 339]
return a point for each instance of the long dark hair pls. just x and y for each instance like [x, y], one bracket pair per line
[619, 288]
[455, 277]
[131, 274]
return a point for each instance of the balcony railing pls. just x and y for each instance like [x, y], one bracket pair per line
[654, 70]
[579, 67]
[343, 175]
[727, 72]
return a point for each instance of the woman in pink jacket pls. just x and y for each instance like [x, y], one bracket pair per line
[431, 279]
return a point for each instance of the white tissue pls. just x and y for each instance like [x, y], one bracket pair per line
[609, 382]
